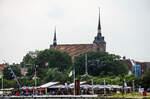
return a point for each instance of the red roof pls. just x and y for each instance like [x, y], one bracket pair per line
[74, 49]
[2, 66]
[128, 63]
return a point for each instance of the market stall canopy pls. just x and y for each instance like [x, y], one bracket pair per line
[7, 89]
[81, 83]
[47, 85]
[28, 87]
[100, 86]
[58, 86]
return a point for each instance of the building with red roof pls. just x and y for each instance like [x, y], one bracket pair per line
[73, 50]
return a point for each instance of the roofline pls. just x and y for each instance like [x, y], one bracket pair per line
[71, 44]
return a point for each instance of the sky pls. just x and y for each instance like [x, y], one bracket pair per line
[28, 25]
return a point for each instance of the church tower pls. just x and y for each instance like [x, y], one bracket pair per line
[99, 43]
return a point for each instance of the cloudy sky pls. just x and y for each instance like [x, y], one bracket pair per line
[28, 25]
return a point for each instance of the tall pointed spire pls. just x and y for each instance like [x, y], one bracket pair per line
[55, 41]
[99, 37]
[99, 23]
[55, 34]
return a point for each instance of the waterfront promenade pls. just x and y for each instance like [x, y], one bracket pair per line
[67, 97]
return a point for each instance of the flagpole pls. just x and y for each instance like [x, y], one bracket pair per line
[104, 87]
[2, 84]
[35, 79]
[74, 81]
[125, 86]
[92, 88]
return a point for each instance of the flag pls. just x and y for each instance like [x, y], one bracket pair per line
[40, 90]
[34, 77]
[0, 76]
[46, 64]
[26, 91]
[66, 85]
[33, 91]
[71, 73]
[125, 84]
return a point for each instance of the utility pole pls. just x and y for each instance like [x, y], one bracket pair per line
[133, 85]
[74, 82]
[86, 69]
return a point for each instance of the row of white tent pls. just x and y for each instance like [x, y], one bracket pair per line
[88, 86]
[84, 85]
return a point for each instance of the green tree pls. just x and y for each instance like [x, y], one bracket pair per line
[7, 72]
[29, 82]
[54, 58]
[146, 79]
[45, 59]
[54, 74]
[100, 63]
[115, 81]
[9, 84]
[130, 78]
[86, 77]
[29, 59]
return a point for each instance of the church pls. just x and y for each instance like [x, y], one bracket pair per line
[73, 50]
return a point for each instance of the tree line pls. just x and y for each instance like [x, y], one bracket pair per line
[53, 65]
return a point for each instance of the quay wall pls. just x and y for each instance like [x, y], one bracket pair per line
[36, 97]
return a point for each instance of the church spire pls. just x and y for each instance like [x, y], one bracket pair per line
[99, 38]
[99, 23]
[55, 41]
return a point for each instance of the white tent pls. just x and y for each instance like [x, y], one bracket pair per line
[116, 86]
[81, 83]
[24, 87]
[86, 86]
[47, 85]
[58, 86]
